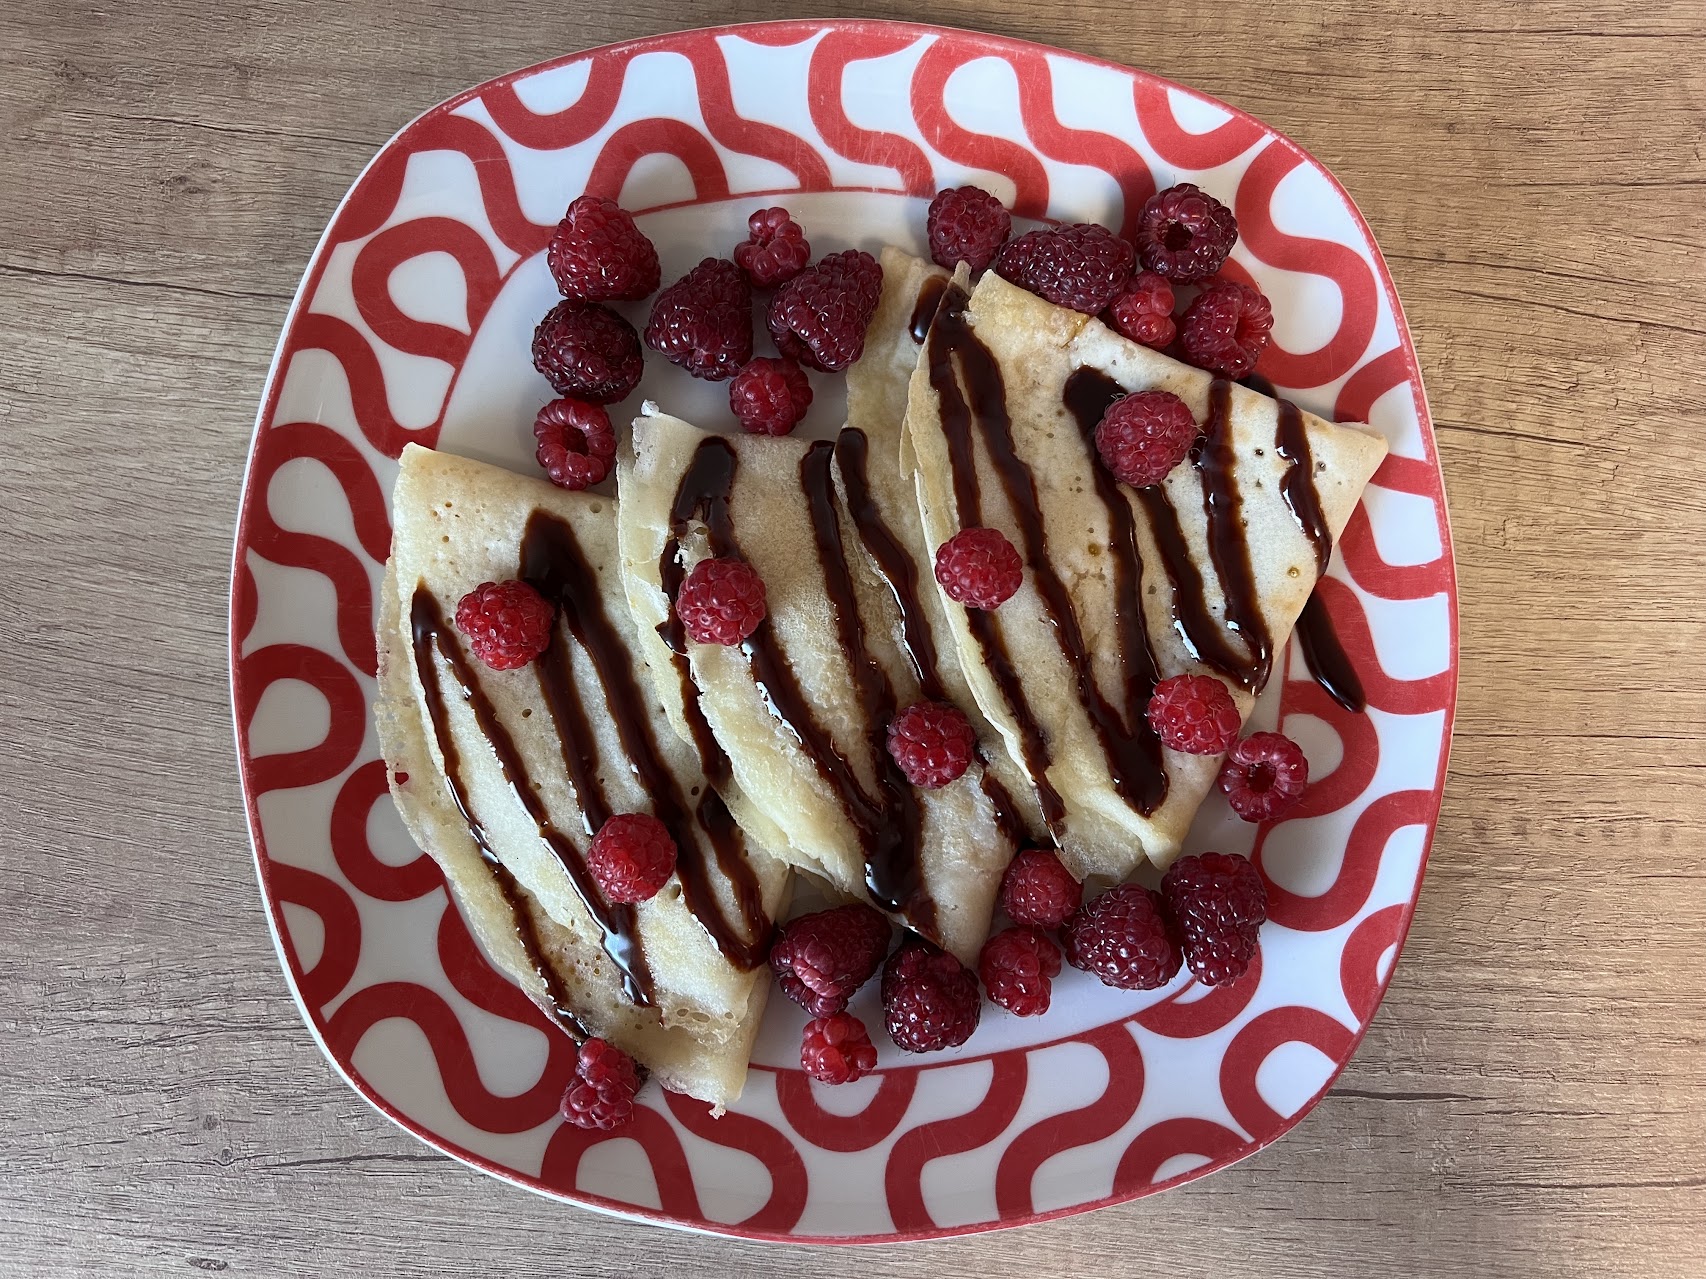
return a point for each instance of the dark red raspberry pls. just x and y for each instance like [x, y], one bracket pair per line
[979, 568]
[770, 396]
[1081, 266]
[721, 601]
[597, 254]
[1185, 234]
[1218, 903]
[1194, 714]
[508, 624]
[1263, 775]
[1226, 329]
[1145, 435]
[1143, 310]
[588, 352]
[930, 999]
[820, 316]
[631, 857]
[1122, 937]
[1037, 891]
[932, 742]
[837, 1049]
[823, 958]
[775, 250]
[1017, 967]
[576, 444]
[966, 224]
[703, 321]
[602, 1094]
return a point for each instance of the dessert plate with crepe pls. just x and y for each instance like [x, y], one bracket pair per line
[422, 823]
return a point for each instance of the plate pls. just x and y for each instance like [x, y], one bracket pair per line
[413, 323]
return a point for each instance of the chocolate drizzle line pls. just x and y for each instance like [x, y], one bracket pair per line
[551, 559]
[924, 310]
[615, 922]
[1133, 753]
[1228, 543]
[1291, 442]
[1326, 657]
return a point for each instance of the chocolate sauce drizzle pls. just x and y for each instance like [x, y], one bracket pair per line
[1228, 543]
[615, 922]
[924, 310]
[1132, 750]
[552, 560]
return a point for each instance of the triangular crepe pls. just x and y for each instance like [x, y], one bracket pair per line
[503, 776]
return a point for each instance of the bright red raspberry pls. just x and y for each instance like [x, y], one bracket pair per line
[822, 959]
[820, 316]
[1017, 967]
[588, 352]
[703, 321]
[1122, 937]
[979, 568]
[837, 1049]
[1185, 234]
[508, 624]
[966, 224]
[1226, 329]
[932, 742]
[1081, 266]
[1143, 310]
[1263, 775]
[770, 396]
[721, 601]
[1194, 714]
[775, 250]
[930, 1000]
[597, 254]
[576, 444]
[1145, 435]
[602, 1094]
[1037, 891]
[631, 857]
[1218, 903]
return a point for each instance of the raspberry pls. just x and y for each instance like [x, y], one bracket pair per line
[589, 352]
[770, 396]
[597, 254]
[576, 443]
[508, 624]
[1145, 435]
[631, 857]
[602, 1095]
[819, 317]
[1037, 891]
[1194, 714]
[703, 321]
[1081, 266]
[1185, 234]
[721, 601]
[1263, 775]
[966, 224]
[775, 251]
[837, 1049]
[1017, 967]
[1122, 937]
[822, 959]
[1143, 310]
[932, 742]
[1226, 329]
[979, 568]
[1218, 903]
[930, 999]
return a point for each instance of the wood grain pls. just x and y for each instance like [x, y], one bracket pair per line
[1531, 1099]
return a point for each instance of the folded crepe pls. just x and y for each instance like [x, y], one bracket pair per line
[1205, 573]
[504, 776]
[802, 707]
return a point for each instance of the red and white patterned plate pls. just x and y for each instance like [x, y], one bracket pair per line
[412, 323]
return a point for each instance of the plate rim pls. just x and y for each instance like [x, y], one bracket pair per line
[804, 28]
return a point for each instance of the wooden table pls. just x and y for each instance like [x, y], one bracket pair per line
[1530, 1099]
